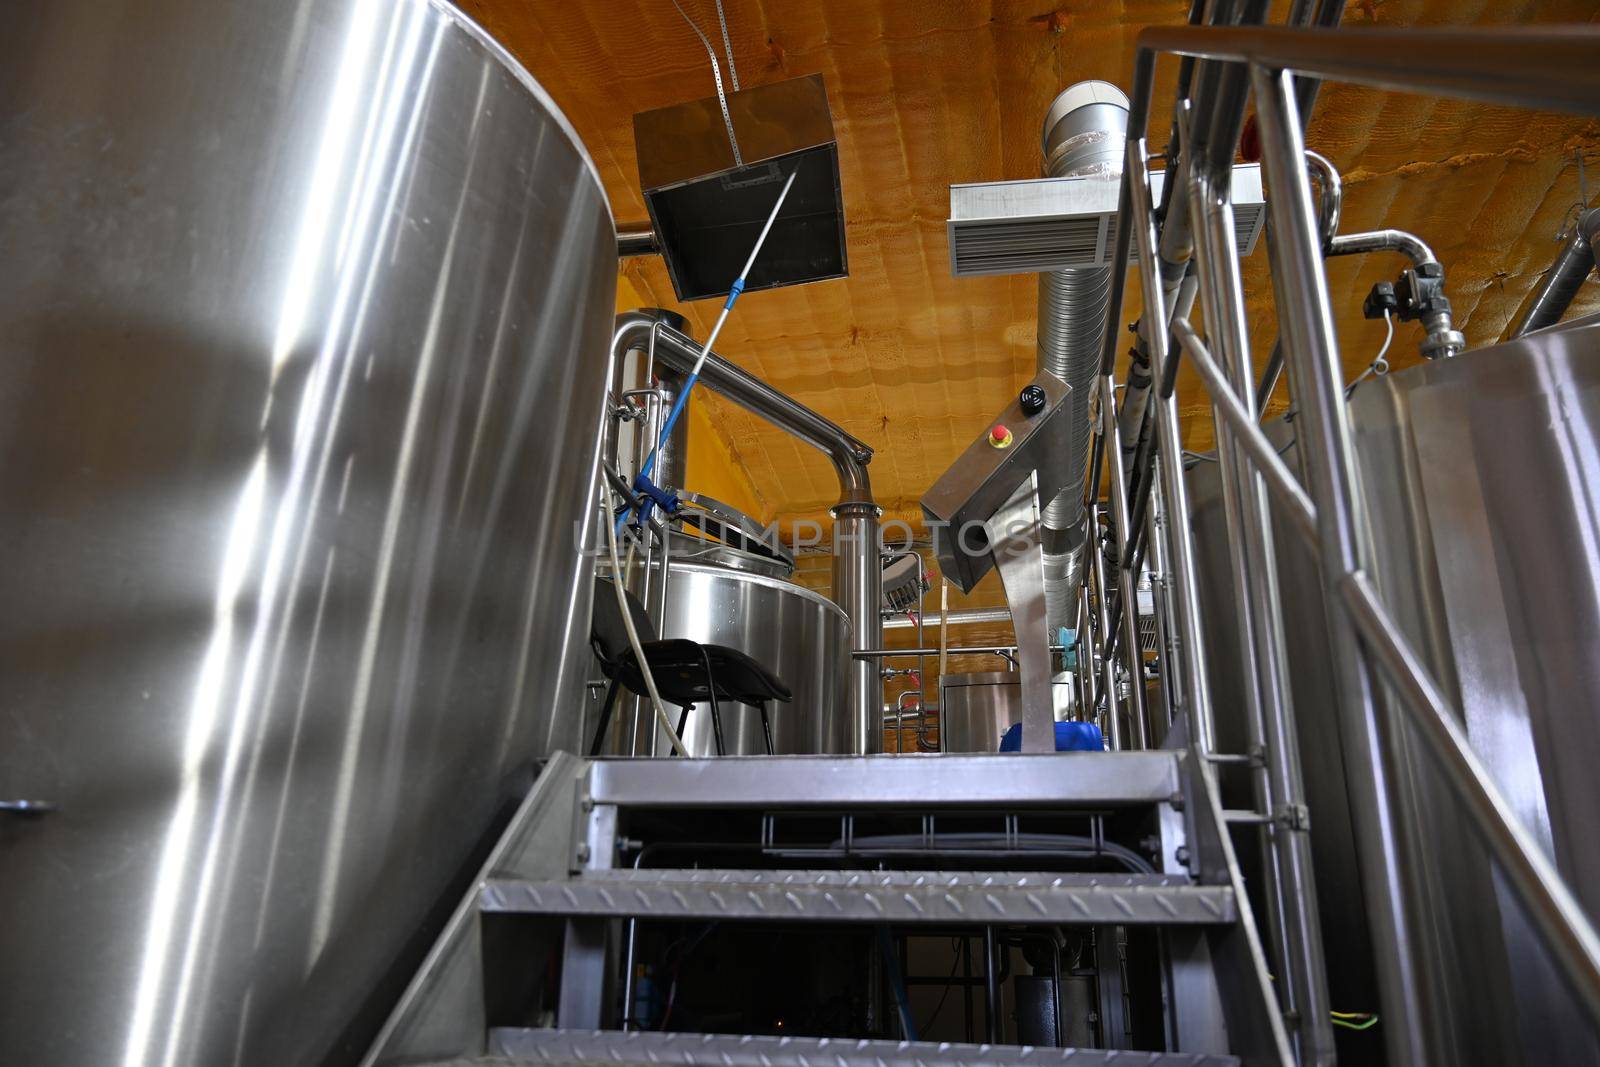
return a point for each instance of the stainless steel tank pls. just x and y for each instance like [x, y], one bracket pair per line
[799, 635]
[975, 710]
[1479, 478]
[303, 331]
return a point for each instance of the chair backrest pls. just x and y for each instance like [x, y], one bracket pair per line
[608, 634]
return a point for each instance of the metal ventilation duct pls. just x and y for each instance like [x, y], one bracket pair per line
[1063, 226]
[708, 200]
[1085, 134]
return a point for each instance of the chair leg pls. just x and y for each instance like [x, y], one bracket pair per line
[605, 718]
[683, 720]
[711, 694]
[766, 727]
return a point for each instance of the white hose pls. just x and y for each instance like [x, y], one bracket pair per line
[617, 579]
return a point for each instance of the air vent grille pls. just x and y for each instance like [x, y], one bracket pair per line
[1044, 224]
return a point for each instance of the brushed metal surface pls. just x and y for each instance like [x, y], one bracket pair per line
[799, 635]
[302, 343]
[1478, 474]
[856, 896]
[975, 710]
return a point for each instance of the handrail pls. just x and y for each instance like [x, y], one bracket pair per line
[1537, 67]
[1542, 68]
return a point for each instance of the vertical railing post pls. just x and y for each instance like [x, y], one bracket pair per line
[1195, 699]
[1301, 290]
[1292, 898]
[1102, 611]
[1127, 578]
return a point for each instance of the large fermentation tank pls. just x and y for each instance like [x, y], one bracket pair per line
[1479, 477]
[303, 330]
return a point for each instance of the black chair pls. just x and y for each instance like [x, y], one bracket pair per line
[685, 672]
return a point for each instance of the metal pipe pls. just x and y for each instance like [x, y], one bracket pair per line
[1548, 68]
[1549, 300]
[1300, 286]
[1083, 134]
[857, 574]
[1195, 700]
[1292, 898]
[1108, 664]
[1122, 538]
[1407, 244]
[970, 650]
[637, 242]
[1330, 195]
[849, 455]
[1219, 93]
[991, 986]
[965, 617]
[1247, 433]
[1563, 925]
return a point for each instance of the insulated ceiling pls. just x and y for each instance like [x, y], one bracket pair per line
[926, 93]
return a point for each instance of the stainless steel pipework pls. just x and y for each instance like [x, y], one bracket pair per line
[640, 242]
[857, 574]
[1549, 300]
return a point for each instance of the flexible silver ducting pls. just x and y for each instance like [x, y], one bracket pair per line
[1085, 135]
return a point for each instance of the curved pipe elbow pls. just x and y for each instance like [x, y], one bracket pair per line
[848, 455]
[1407, 244]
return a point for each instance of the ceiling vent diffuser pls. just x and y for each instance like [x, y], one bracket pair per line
[1044, 224]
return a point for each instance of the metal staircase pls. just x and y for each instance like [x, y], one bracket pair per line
[558, 885]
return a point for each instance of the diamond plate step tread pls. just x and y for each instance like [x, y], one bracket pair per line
[871, 896]
[550, 1048]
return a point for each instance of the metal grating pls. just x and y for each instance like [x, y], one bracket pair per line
[1042, 224]
[560, 1047]
[861, 896]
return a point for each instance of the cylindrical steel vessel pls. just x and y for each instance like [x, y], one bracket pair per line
[303, 326]
[801, 636]
[1477, 476]
[975, 710]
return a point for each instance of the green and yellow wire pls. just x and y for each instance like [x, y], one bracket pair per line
[1355, 1020]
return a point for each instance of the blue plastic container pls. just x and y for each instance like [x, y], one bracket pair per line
[1070, 737]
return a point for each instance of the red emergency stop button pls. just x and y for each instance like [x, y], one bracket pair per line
[1000, 437]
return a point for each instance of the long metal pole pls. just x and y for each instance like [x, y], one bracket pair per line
[1247, 434]
[1560, 918]
[1108, 664]
[1301, 289]
[1293, 900]
[1127, 578]
[1161, 594]
[1196, 696]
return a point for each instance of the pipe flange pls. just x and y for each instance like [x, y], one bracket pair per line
[1443, 343]
[848, 508]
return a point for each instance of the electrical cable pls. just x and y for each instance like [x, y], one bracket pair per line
[897, 982]
[955, 948]
[1379, 366]
[1355, 1020]
[634, 642]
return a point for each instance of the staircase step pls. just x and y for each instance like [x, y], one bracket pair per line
[558, 1048]
[870, 896]
[1062, 779]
